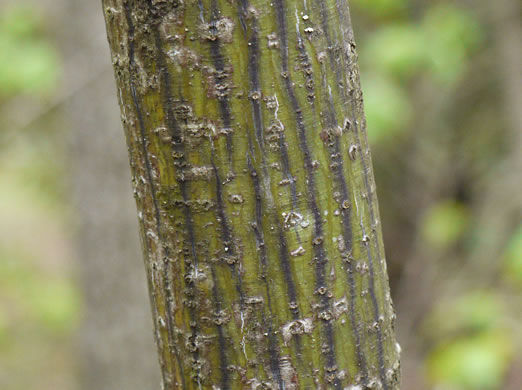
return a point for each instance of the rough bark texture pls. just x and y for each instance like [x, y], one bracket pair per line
[255, 194]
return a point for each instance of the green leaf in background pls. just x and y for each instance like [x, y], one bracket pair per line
[471, 312]
[450, 35]
[54, 303]
[47, 303]
[395, 49]
[31, 173]
[387, 107]
[444, 223]
[441, 43]
[381, 8]
[3, 327]
[476, 310]
[513, 259]
[475, 362]
[20, 21]
[28, 62]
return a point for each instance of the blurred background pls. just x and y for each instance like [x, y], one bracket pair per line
[443, 92]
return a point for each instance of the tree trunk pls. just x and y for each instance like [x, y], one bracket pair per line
[255, 194]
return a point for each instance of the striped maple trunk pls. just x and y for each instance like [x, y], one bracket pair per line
[255, 194]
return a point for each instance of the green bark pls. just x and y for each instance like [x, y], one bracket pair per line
[255, 194]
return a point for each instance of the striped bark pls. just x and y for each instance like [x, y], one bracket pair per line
[255, 194]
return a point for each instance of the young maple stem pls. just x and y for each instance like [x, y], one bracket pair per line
[255, 193]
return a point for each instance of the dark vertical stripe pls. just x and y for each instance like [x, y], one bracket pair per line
[224, 106]
[282, 29]
[346, 23]
[254, 83]
[330, 48]
[260, 241]
[226, 231]
[337, 167]
[253, 67]
[287, 271]
[148, 169]
[376, 314]
[312, 201]
[335, 67]
[219, 65]
[188, 218]
[223, 361]
[176, 136]
[253, 72]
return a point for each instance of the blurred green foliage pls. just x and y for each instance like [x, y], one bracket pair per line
[436, 47]
[472, 362]
[396, 49]
[471, 313]
[473, 348]
[382, 8]
[418, 61]
[444, 223]
[450, 35]
[513, 260]
[48, 302]
[387, 107]
[40, 303]
[29, 63]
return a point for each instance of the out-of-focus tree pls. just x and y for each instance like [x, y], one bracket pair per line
[116, 347]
